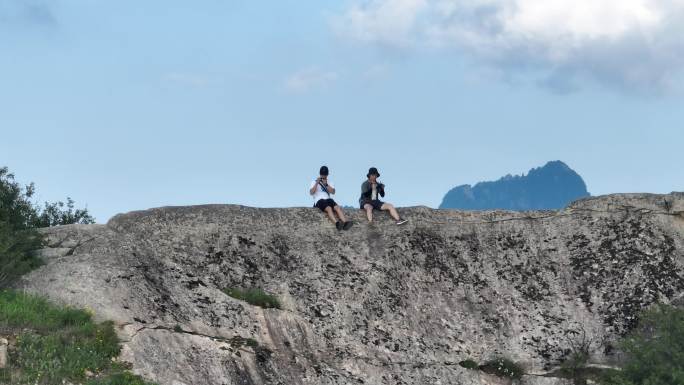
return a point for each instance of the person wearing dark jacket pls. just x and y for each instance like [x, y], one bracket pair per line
[371, 192]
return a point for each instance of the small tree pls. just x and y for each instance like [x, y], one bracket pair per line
[19, 218]
[655, 350]
[20, 213]
[54, 214]
[16, 209]
[17, 236]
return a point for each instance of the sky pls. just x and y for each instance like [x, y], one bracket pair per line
[130, 105]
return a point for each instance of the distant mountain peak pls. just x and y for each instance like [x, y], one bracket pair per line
[556, 163]
[554, 166]
[548, 187]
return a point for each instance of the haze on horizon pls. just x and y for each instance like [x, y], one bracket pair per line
[131, 105]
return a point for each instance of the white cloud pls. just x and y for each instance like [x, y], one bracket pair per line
[309, 79]
[390, 22]
[633, 44]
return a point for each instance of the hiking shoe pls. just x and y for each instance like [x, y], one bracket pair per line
[347, 225]
[338, 224]
[401, 221]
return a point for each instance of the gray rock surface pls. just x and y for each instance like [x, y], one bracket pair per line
[3, 353]
[379, 304]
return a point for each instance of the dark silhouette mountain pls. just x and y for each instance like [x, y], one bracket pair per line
[550, 187]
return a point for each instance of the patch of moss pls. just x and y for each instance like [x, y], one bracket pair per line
[237, 342]
[256, 297]
[469, 364]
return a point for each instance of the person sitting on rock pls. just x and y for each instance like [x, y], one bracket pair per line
[371, 192]
[322, 191]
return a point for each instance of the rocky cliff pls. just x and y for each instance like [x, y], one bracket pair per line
[379, 304]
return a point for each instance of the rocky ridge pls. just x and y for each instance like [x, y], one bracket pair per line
[379, 304]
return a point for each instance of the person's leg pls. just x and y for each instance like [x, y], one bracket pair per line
[346, 225]
[340, 213]
[369, 211]
[393, 212]
[331, 214]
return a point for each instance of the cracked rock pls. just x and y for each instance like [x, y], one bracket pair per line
[380, 304]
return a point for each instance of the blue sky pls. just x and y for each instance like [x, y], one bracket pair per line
[129, 105]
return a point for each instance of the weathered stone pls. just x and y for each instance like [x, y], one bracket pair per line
[3, 353]
[378, 304]
[539, 380]
[56, 252]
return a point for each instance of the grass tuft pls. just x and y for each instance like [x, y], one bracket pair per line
[469, 364]
[256, 297]
[51, 344]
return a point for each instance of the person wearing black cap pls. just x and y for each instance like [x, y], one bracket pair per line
[322, 191]
[371, 192]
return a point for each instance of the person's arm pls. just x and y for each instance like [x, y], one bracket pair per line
[366, 189]
[330, 188]
[314, 186]
[381, 189]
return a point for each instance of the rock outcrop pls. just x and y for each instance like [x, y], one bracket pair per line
[378, 304]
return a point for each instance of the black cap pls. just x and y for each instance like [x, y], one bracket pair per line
[373, 171]
[324, 170]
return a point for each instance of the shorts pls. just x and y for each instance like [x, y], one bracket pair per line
[325, 203]
[377, 204]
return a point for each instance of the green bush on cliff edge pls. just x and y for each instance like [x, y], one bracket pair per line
[48, 344]
[19, 219]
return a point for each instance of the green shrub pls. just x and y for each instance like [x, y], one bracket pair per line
[469, 364]
[54, 343]
[238, 342]
[654, 350]
[49, 344]
[17, 236]
[575, 367]
[16, 252]
[502, 367]
[255, 297]
[19, 218]
[55, 214]
[16, 209]
[581, 344]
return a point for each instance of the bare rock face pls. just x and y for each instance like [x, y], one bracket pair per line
[3, 353]
[378, 304]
